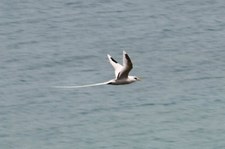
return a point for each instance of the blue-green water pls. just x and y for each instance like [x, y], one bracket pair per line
[177, 47]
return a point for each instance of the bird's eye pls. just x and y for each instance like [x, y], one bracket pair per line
[135, 78]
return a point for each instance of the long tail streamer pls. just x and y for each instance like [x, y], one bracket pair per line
[80, 86]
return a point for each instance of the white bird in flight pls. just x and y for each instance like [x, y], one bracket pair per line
[121, 73]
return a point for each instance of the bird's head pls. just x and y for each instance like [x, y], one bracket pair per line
[134, 78]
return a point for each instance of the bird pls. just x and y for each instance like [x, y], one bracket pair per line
[121, 73]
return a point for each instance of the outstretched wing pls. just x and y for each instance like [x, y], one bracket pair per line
[127, 66]
[115, 65]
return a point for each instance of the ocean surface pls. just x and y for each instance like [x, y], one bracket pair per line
[177, 48]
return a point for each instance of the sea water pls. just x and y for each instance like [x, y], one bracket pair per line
[177, 48]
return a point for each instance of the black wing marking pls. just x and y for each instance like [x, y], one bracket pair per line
[129, 61]
[113, 60]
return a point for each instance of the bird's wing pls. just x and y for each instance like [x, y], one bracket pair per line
[127, 66]
[115, 65]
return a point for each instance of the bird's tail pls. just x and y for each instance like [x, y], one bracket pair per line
[81, 86]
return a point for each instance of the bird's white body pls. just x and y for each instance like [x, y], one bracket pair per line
[128, 80]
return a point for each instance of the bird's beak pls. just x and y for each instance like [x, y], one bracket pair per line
[139, 79]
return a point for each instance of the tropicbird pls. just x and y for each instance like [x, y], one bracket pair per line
[121, 73]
